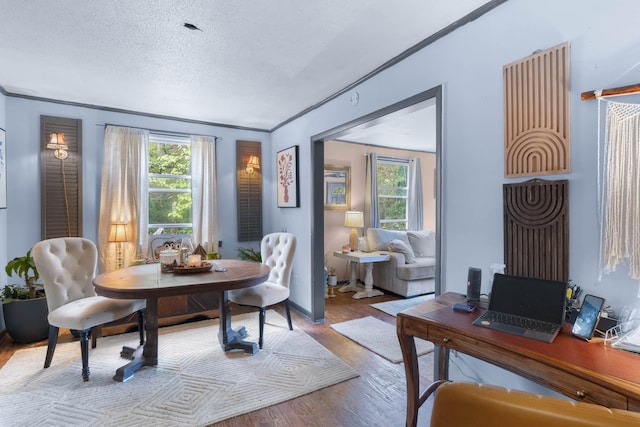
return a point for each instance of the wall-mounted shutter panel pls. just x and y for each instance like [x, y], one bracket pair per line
[249, 192]
[61, 180]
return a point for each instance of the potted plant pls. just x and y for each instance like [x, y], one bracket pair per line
[330, 276]
[25, 306]
[249, 254]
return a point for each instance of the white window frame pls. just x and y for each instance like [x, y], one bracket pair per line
[173, 140]
[396, 161]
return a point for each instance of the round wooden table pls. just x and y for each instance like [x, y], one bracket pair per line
[147, 282]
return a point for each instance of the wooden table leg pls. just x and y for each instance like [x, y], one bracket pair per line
[230, 339]
[408, 347]
[353, 283]
[144, 355]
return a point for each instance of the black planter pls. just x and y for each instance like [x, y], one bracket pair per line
[26, 320]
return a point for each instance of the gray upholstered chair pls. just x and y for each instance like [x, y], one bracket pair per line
[67, 266]
[277, 251]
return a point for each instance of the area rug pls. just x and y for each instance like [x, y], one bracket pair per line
[396, 306]
[379, 337]
[195, 383]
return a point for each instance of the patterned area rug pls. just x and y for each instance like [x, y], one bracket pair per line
[195, 383]
[396, 306]
[379, 337]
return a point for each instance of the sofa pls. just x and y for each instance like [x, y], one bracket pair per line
[410, 270]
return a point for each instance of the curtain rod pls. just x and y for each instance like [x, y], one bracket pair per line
[616, 91]
[156, 131]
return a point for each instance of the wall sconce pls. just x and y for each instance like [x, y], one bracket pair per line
[118, 235]
[57, 143]
[353, 219]
[252, 164]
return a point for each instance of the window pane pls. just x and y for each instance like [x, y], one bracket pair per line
[169, 183]
[169, 208]
[392, 208]
[392, 191]
[393, 225]
[169, 159]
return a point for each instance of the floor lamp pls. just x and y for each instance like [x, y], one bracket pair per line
[118, 235]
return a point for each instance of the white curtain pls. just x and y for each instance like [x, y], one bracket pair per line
[123, 193]
[371, 211]
[414, 198]
[203, 192]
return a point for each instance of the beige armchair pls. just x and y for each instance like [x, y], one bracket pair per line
[277, 250]
[67, 267]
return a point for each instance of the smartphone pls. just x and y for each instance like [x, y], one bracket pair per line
[588, 317]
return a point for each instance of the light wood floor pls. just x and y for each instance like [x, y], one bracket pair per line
[375, 398]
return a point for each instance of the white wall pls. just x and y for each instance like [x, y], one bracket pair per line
[23, 169]
[603, 38]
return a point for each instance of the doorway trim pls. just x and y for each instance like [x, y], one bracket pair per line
[317, 213]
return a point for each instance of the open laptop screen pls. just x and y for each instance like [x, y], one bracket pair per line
[528, 297]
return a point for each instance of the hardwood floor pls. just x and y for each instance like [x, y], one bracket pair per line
[375, 398]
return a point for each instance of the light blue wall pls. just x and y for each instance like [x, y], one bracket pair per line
[604, 44]
[23, 133]
[3, 217]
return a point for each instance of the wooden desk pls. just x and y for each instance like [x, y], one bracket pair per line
[584, 371]
[146, 281]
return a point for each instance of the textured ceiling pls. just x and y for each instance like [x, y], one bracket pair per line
[253, 63]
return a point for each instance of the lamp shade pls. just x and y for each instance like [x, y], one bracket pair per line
[354, 219]
[252, 164]
[118, 232]
[57, 143]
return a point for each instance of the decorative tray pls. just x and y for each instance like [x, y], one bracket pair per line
[185, 269]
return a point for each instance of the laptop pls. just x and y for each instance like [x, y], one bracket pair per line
[532, 308]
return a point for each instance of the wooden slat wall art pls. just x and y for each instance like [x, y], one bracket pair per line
[536, 229]
[536, 114]
[249, 192]
[53, 208]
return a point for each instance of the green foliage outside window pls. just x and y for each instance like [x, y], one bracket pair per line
[170, 187]
[392, 195]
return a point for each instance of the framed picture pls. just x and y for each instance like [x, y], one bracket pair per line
[3, 170]
[287, 168]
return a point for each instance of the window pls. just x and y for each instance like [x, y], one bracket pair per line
[393, 186]
[170, 184]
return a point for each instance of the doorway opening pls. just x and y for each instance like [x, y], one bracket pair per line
[407, 119]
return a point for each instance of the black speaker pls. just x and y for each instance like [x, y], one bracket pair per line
[473, 284]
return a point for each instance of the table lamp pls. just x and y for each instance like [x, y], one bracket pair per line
[118, 235]
[353, 219]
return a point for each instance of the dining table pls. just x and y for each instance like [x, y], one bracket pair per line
[148, 282]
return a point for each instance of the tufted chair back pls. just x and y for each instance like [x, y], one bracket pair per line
[67, 266]
[277, 250]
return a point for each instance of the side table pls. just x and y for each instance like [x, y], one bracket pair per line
[366, 258]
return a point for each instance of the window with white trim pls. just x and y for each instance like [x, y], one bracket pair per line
[170, 184]
[393, 188]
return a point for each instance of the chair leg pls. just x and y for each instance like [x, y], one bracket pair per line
[84, 351]
[51, 346]
[262, 314]
[141, 325]
[286, 309]
[96, 332]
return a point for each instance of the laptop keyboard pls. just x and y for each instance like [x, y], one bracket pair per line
[522, 322]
